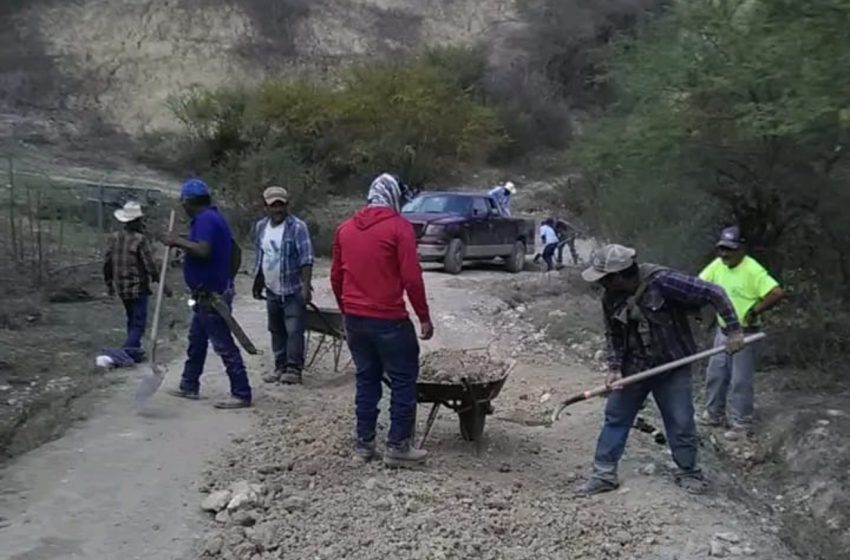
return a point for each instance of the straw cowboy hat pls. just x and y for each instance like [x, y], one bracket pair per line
[132, 211]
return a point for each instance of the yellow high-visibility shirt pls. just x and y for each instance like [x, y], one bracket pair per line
[746, 284]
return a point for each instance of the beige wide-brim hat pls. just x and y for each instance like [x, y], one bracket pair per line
[131, 211]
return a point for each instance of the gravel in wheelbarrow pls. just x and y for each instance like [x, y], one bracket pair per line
[465, 381]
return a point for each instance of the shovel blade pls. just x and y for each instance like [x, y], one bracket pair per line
[149, 384]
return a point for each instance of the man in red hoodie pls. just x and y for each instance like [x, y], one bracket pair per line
[374, 265]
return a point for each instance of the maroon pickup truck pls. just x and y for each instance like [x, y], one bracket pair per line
[455, 227]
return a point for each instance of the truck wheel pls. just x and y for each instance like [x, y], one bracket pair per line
[516, 261]
[454, 257]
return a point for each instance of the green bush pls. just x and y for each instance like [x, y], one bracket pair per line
[419, 120]
[732, 111]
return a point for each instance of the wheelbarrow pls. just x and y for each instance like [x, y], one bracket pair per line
[327, 324]
[471, 401]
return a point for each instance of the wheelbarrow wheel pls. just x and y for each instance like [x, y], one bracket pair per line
[472, 423]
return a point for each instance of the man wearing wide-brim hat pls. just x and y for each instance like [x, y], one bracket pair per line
[646, 309]
[128, 271]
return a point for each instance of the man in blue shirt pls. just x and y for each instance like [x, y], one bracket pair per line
[284, 270]
[502, 195]
[207, 270]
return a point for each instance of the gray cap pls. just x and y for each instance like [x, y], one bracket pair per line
[731, 238]
[608, 260]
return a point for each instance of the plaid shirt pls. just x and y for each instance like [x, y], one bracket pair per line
[128, 265]
[653, 328]
[297, 250]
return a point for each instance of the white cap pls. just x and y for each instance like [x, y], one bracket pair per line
[510, 187]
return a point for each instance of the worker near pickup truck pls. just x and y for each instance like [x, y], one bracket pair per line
[730, 378]
[501, 194]
[550, 242]
[567, 234]
[374, 265]
[646, 311]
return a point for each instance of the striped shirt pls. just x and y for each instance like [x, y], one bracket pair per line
[128, 265]
[655, 328]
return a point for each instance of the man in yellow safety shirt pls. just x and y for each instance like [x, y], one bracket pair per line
[729, 377]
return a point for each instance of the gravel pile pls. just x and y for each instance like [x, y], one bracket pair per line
[453, 366]
[294, 491]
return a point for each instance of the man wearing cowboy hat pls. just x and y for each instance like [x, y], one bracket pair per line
[129, 270]
[646, 309]
[502, 195]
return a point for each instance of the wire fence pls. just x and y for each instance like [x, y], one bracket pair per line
[50, 225]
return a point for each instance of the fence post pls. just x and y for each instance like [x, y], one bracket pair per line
[100, 195]
[12, 223]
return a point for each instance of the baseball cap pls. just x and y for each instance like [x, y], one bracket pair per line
[608, 260]
[730, 238]
[510, 187]
[276, 194]
[194, 188]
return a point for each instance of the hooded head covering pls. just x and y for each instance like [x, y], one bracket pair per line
[385, 192]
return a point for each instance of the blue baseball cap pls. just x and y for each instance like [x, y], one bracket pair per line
[731, 238]
[194, 188]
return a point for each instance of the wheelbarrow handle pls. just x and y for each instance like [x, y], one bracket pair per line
[605, 389]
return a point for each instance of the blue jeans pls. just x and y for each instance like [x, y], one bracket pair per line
[286, 323]
[137, 316]
[731, 376]
[381, 346]
[674, 396]
[208, 326]
[548, 255]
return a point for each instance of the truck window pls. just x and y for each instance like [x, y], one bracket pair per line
[439, 204]
[480, 207]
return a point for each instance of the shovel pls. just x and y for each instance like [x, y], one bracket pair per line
[152, 374]
[605, 389]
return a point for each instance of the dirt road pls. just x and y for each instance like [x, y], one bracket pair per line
[124, 486]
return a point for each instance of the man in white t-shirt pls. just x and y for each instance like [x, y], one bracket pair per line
[284, 271]
[550, 242]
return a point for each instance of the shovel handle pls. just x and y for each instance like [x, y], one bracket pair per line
[605, 389]
[160, 289]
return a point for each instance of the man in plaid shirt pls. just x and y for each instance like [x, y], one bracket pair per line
[646, 310]
[284, 271]
[129, 270]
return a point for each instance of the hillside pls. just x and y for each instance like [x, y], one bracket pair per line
[119, 60]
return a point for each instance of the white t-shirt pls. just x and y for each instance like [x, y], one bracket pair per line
[272, 247]
[548, 235]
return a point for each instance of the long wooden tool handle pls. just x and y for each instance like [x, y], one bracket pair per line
[160, 289]
[605, 389]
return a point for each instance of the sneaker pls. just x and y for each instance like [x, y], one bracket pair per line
[405, 458]
[180, 393]
[291, 377]
[273, 376]
[595, 486]
[737, 432]
[711, 421]
[365, 452]
[692, 484]
[231, 403]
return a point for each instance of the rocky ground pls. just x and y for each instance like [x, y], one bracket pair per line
[291, 489]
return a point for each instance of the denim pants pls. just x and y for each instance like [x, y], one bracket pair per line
[731, 377]
[380, 346]
[137, 316]
[286, 325]
[571, 243]
[674, 396]
[208, 327]
[548, 254]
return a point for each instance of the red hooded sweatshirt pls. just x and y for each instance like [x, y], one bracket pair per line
[374, 264]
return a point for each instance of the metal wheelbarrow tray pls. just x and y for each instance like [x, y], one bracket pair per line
[471, 401]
